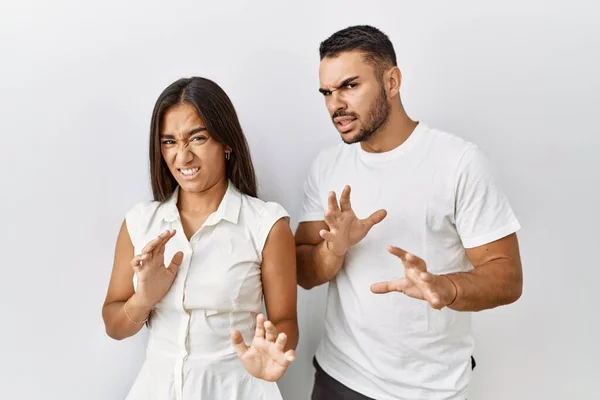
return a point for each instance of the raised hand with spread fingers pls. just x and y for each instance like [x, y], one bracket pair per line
[345, 228]
[438, 290]
[266, 357]
[153, 277]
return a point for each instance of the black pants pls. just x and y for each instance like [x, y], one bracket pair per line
[327, 388]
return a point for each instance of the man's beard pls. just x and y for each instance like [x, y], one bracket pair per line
[377, 118]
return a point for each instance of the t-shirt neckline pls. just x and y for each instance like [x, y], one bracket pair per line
[403, 148]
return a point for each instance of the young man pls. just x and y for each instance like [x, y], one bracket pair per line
[398, 322]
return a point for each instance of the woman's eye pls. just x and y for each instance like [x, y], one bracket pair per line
[168, 142]
[198, 138]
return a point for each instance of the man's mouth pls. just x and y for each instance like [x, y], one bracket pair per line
[344, 124]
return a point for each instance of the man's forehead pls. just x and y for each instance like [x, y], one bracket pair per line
[334, 70]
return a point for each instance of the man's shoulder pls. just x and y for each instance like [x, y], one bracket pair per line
[448, 142]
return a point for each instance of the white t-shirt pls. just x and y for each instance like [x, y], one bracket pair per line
[441, 198]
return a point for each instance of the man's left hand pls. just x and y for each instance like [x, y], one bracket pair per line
[438, 290]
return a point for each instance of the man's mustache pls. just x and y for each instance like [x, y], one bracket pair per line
[342, 113]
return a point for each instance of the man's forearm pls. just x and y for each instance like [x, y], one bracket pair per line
[488, 286]
[290, 328]
[316, 264]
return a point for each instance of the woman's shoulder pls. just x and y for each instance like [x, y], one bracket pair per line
[142, 208]
[260, 216]
[144, 213]
[254, 207]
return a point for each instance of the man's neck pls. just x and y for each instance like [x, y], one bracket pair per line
[396, 131]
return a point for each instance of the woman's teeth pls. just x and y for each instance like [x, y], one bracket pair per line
[189, 172]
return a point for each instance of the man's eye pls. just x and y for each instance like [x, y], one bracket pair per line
[351, 85]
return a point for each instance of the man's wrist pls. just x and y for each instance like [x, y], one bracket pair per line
[326, 244]
[331, 262]
[452, 290]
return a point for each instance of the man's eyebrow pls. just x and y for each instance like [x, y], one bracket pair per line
[346, 81]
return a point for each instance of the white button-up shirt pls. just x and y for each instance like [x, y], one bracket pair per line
[218, 288]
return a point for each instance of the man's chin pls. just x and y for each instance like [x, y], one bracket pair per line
[351, 137]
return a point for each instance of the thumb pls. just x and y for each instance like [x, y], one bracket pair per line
[176, 262]
[238, 343]
[375, 218]
[326, 235]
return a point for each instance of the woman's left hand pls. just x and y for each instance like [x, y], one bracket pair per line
[266, 357]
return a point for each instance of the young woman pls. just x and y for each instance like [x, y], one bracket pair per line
[195, 264]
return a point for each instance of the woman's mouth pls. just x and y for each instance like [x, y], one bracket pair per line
[189, 173]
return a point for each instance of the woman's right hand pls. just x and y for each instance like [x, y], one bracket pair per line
[153, 279]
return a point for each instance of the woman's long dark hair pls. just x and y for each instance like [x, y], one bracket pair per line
[216, 110]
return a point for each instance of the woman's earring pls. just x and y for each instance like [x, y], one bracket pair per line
[227, 155]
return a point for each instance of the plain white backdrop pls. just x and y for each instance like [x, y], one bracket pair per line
[78, 81]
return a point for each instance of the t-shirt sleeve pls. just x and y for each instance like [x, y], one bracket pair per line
[312, 207]
[271, 213]
[482, 211]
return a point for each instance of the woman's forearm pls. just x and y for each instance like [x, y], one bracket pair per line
[124, 319]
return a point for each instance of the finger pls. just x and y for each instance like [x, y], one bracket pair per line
[433, 298]
[398, 285]
[330, 217]
[271, 331]
[398, 252]
[161, 248]
[332, 203]
[136, 262]
[176, 262]
[416, 261]
[281, 341]
[238, 343]
[408, 259]
[423, 281]
[375, 218]
[345, 204]
[413, 273]
[290, 356]
[151, 246]
[426, 277]
[326, 235]
[259, 332]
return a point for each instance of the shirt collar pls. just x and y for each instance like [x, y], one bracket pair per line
[229, 208]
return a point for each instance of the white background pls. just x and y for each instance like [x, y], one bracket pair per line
[78, 81]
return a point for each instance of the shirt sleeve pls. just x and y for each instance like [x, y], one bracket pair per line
[312, 207]
[482, 211]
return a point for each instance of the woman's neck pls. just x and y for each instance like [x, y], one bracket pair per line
[204, 202]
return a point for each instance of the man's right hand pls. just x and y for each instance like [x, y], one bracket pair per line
[345, 228]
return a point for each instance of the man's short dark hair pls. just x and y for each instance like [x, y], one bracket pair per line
[375, 45]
